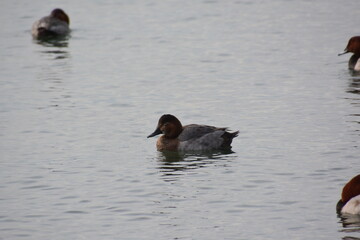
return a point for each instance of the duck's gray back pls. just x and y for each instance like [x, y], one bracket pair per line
[196, 131]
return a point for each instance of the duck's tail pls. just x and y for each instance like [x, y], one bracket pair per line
[228, 137]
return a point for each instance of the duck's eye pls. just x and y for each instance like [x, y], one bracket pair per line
[165, 127]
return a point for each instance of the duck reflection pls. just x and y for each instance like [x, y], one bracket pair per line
[354, 97]
[56, 48]
[350, 223]
[350, 238]
[354, 84]
[173, 164]
[53, 71]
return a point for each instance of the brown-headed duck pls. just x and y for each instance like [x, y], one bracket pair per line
[54, 25]
[192, 137]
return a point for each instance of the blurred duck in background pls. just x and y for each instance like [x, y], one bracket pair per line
[56, 25]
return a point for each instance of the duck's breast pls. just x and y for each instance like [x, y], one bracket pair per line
[352, 206]
[357, 65]
[35, 28]
[354, 62]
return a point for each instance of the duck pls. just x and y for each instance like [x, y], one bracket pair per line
[350, 197]
[192, 137]
[353, 46]
[52, 26]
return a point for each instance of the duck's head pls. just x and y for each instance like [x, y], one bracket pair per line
[352, 46]
[61, 15]
[350, 190]
[169, 125]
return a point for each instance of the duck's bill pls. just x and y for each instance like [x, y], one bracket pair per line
[342, 53]
[156, 132]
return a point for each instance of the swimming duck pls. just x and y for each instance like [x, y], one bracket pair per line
[54, 25]
[192, 137]
[350, 197]
[354, 47]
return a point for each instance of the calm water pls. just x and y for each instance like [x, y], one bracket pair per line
[74, 116]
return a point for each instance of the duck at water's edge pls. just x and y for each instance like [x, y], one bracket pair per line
[52, 26]
[350, 197]
[191, 137]
[353, 46]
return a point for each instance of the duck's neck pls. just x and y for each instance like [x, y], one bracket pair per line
[339, 206]
[164, 143]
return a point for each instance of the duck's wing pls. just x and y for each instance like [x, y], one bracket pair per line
[197, 131]
[48, 25]
[207, 142]
[204, 138]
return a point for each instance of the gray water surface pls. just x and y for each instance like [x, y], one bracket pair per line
[74, 116]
